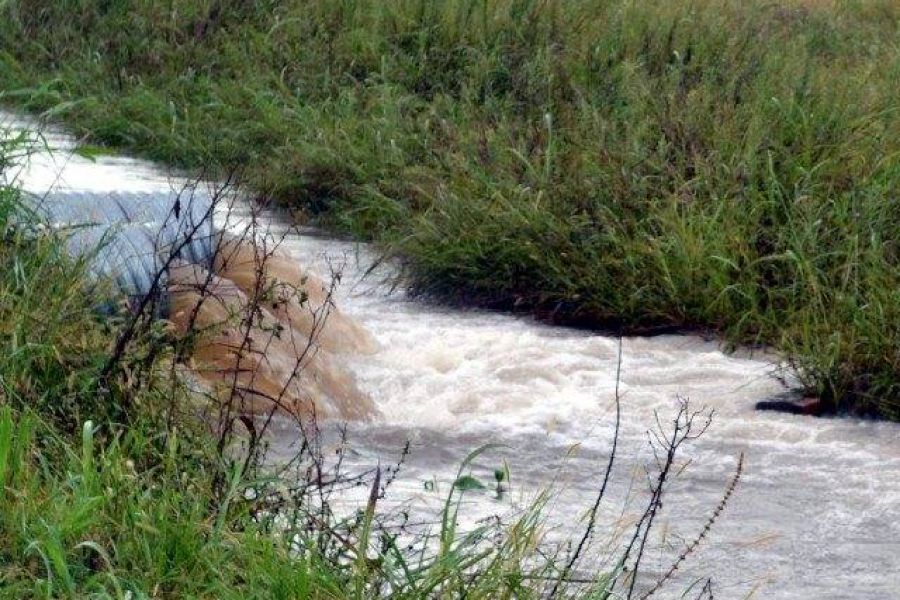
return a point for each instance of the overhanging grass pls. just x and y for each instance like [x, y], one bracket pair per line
[717, 164]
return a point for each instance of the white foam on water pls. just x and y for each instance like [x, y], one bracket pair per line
[53, 164]
[815, 515]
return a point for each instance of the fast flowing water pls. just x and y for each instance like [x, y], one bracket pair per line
[815, 515]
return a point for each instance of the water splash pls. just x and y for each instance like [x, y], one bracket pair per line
[255, 360]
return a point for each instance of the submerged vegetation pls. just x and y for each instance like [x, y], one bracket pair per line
[713, 164]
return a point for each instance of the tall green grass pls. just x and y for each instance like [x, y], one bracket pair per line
[714, 164]
[91, 523]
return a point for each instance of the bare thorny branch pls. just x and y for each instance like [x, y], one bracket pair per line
[687, 425]
[665, 443]
[690, 547]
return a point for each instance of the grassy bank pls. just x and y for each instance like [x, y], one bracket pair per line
[715, 164]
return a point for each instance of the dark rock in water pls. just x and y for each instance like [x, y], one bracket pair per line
[795, 406]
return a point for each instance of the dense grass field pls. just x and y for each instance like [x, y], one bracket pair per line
[717, 164]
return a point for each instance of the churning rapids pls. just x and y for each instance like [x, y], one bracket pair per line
[815, 515]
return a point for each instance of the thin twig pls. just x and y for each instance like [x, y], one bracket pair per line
[592, 518]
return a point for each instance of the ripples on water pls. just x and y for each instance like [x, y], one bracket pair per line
[815, 515]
